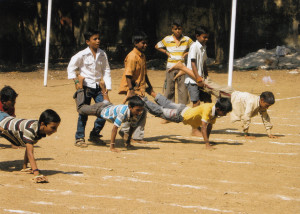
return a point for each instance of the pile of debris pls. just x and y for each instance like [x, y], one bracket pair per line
[280, 57]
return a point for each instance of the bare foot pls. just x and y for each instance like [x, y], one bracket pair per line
[180, 73]
[209, 147]
[177, 66]
[272, 136]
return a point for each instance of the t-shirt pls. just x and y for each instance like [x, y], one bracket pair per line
[176, 51]
[194, 116]
[20, 131]
[118, 114]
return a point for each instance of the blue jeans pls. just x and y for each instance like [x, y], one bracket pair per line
[96, 94]
[3, 115]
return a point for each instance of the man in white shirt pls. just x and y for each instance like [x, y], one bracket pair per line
[92, 64]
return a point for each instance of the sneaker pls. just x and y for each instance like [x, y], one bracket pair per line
[81, 143]
[96, 140]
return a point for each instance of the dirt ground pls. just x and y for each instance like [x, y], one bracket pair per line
[173, 173]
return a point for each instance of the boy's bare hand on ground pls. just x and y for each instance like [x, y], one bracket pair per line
[209, 147]
[40, 179]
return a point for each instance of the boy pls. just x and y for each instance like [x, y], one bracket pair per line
[116, 114]
[204, 115]
[246, 105]
[134, 82]
[197, 62]
[21, 132]
[176, 47]
[8, 98]
[93, 64]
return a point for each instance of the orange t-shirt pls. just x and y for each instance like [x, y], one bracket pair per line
[135, 66]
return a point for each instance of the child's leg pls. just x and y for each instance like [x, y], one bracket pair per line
[183, 70]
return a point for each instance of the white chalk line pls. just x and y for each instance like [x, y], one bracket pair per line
[256, 123]
[19, 211]
[283, 144]
[235, 162]
[201, 208]
[42, 202]
[273, 153]
[86, 166]
[288, 98]
[234, 131]
[287, 198]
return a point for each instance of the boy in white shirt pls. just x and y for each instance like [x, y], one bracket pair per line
[197, 63]
[92, 64]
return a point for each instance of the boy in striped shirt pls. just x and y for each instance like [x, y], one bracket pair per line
[116, 114]
[22, 132]
[176, 47]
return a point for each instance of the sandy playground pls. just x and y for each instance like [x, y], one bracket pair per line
[173, 173]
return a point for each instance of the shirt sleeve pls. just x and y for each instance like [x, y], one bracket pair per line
[161, 44]
[192, 52]
[206, 115]
[266, 120]
[74, 64]
[190, 42]
[130, 65]
[107, 73]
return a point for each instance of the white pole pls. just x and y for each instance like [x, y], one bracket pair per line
[232, 35]
[47, 42]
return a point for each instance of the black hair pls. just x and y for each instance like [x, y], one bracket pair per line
[8, 93]
[135, 101]
[177, 22]
[89, 33]
[224, 104]
[49, 116]
[139, 36]
[201, 30]
[268, 97]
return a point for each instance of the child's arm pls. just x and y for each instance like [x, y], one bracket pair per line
[266, 120]
[198, 78]
[30, 157]
[130, 92]
[162, 50]
[113, 139]
[104, 90]
[148, 81]
[205, 130]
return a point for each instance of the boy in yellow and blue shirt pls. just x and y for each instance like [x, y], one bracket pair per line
[203, 116]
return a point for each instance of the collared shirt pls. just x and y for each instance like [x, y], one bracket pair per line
[205, 112]
[175, 51]
[91, 68]
[20, 131]
[245, 106]
[198, 52]
[118, 114]
[135, 66]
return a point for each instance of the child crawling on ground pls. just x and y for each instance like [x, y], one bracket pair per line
[22, 132]
[116, 114]
[245, 105]
[203, 116]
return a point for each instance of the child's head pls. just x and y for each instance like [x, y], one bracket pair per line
[140, 40]
[266, 100]
[223, 106]
[202, 35]
[177, 28]
[49, 121]
[8, 97]
[92, 39]
[136, 105]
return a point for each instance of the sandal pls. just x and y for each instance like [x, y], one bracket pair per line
[40, 179]
[81, 143]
